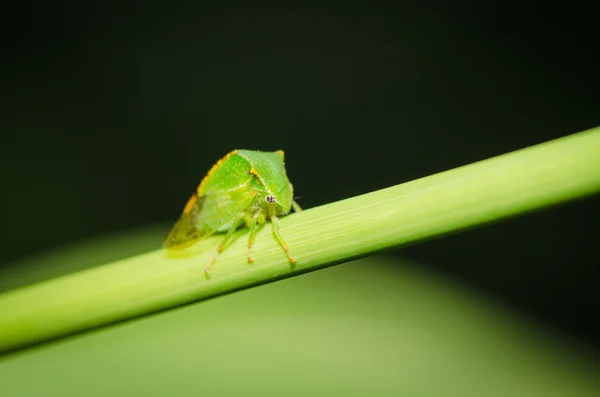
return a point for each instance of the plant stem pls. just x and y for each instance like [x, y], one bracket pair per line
[479, 193]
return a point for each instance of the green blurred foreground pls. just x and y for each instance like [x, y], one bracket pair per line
[370, 327]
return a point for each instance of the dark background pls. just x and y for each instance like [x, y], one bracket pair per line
[111, 114]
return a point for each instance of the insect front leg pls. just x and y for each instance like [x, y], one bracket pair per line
[296, 207]
[224, 242]
[253, 222]
[275, 223]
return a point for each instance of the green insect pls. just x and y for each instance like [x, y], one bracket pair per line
[244, 187]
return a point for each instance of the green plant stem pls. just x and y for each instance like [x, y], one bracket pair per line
[486, 191]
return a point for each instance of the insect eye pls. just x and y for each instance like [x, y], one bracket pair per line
[271, 199]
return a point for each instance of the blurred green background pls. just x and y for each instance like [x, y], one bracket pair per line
[376, 326]
[112, 113]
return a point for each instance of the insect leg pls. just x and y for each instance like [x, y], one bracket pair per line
[275, 223]
[296, 207]
[224, 242]
[252, 222]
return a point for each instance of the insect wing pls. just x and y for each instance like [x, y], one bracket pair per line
[185, 232]
[206, 215]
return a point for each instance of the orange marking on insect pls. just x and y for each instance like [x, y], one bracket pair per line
[281, 153]
[200, 189]
[253, 172]
[190, 203]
